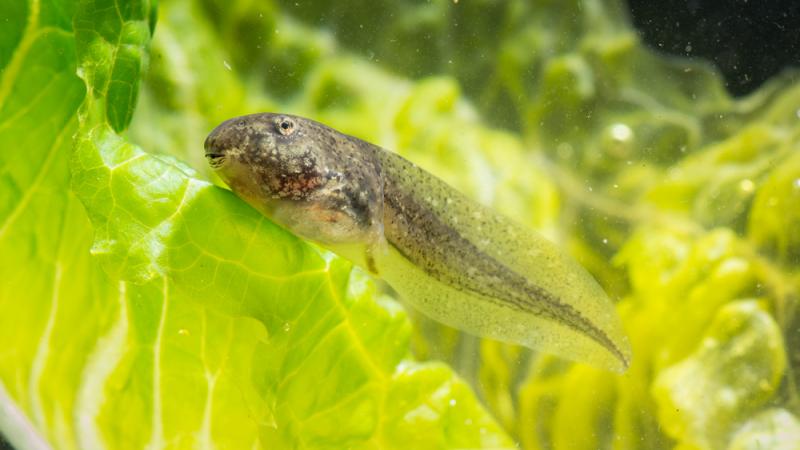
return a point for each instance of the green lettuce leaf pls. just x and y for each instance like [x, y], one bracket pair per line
[142, 305]
[735, 369]
[55, 302]
[207, 326]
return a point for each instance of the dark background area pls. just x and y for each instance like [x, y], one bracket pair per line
[748, 40]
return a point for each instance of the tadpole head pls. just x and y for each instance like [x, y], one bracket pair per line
[274, 155]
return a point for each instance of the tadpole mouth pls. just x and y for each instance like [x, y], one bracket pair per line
[215, 160]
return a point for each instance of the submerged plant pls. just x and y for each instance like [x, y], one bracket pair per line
[141, 305]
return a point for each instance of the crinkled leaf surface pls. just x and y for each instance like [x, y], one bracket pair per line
[207, 326]
[679, 199]
[732, 372]
[774, 428]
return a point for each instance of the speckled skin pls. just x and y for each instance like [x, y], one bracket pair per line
[332, 197]
[346, 193]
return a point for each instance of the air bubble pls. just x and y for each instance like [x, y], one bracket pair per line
[621, 132]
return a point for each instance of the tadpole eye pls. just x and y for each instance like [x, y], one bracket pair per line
[285, 126]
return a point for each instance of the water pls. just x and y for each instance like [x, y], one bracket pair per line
[674, 181]
[679, 198]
